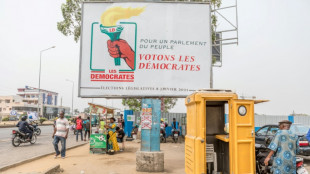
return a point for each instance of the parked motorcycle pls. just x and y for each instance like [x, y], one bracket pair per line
[300, 166]
[162, 137]
[20, 137]
[175, 135]
[261, 152]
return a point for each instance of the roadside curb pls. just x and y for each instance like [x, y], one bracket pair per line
[9, 126]
[35, 158]
[52, 170]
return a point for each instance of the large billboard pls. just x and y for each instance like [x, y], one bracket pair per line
[139, 49]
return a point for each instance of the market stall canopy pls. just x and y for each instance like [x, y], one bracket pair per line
[101, 109]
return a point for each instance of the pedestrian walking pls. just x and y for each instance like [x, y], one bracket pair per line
[61, 130]
[87, 128]
[120, 137]
[284, 148]
[79, 128]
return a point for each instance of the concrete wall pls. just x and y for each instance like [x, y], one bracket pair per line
[261, 120]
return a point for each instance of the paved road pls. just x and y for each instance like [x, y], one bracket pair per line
[10, 155]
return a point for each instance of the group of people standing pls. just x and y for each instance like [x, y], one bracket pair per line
[61, 130]
[163, 125]
[80, 125]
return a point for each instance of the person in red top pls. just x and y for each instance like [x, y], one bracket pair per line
[79, 128]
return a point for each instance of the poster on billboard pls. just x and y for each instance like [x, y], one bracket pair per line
[136, 49]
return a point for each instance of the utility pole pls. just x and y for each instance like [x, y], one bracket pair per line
[39, 90]
[72, 94]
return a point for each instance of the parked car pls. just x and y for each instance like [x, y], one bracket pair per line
[270, 130]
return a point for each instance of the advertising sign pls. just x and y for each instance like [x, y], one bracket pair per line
[130, 118]
[146, 118]
[13, 112]
[145, 49]
[98, 141]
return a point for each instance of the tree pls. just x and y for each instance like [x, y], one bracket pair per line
[71, 25]
[71, 12]
[169, 103]
[135, 104]
[215, 3]
[86, 110]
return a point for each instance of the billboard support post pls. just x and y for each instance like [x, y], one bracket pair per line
[168, 56]
[150, 143]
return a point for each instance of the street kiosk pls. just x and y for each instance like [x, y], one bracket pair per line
[98, 140]
[219, 142]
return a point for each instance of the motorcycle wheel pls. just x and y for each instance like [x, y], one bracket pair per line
[34, 139]
[38, 131]
[16, 141]
[162, 139]
[175, 140]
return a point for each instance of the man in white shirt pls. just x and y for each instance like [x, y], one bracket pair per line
[61, 130]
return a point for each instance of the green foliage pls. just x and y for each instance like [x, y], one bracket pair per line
[21, 116]
[213, 59]
[86, 110]
[71, 25]
[72, 14]
[5, 119]
[169, 103]
[216, 3]
[135, 104]
[42, 119]
[213, 26]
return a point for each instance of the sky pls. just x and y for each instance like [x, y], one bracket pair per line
[270, 62]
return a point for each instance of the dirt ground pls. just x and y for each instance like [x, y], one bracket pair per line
[80, 159]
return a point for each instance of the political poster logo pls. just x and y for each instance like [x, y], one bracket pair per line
[116, 61]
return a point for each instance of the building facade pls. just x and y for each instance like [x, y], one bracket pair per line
[31, 96]
[28, 100]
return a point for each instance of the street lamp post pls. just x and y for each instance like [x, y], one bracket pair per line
[40, 80]
[72, 93]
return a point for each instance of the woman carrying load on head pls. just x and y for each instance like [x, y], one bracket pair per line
[112, 134]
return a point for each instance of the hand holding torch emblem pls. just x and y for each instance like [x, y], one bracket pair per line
[118, 48]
